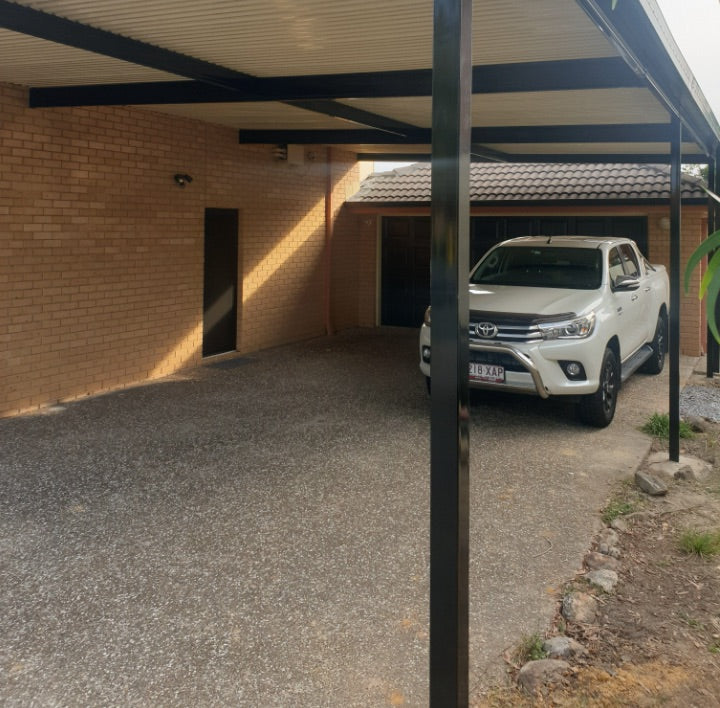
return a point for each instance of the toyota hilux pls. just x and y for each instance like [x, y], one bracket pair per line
[563, 316]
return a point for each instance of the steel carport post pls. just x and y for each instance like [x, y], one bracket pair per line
[712, 362]
[675, 217]
[450, 218]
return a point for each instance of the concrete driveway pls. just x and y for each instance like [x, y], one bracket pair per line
[255, 532]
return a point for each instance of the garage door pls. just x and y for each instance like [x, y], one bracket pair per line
[405, 280]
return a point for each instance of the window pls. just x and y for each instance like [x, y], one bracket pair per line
[629, 259]
[540, 267]
[615, 265]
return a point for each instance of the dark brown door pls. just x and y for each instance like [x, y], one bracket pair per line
[220, 281]
[405, 270]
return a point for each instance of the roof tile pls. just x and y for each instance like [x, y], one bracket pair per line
[533, 182]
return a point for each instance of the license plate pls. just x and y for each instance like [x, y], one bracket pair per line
[490, 373]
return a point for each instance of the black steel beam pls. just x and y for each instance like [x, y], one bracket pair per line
[712, 358]
[578, 74]
[674, 338]
[357, 115]
[575, 158]
[483, 153]
[44, 25]
[712, 346]
[629, 29]
[633, 132]
[449, 440]
[715, 363]
[630, 132]
[136, 94]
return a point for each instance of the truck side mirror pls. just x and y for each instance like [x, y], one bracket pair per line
[626, 282]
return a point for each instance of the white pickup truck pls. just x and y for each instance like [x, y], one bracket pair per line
[563, 315]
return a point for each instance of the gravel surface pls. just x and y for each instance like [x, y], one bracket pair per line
[256, 533]
[702, 401]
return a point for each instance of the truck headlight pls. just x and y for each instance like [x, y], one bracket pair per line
[426, 318]
[577, 328]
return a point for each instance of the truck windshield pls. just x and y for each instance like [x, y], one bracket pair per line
[540, 267]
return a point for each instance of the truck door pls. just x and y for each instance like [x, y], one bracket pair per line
[628, 308]
[644, 318]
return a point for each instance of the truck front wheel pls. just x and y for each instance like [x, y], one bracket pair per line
[598, 409]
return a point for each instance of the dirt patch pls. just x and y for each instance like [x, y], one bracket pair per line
[656, 640]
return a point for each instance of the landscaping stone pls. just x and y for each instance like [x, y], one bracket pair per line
[562, 647]
[601, 561]
[650, 485]
[536, 674]
[698, 423]
[687, 467]
[604, 579]
[608, 540]
[609, 537]
[579, 607]
[619, 524]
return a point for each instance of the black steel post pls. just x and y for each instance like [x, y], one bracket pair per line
[450, 217]
[711, 355]
[675, 221]
[716, 214]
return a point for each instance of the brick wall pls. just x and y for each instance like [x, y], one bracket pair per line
[694, 230]
[354, 264]
[101, 267]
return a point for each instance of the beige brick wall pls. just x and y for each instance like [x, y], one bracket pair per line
[694, 230]
[101, 253]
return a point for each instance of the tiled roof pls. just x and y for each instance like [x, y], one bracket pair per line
[523, 182]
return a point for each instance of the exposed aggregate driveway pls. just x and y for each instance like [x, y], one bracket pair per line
[255, 532]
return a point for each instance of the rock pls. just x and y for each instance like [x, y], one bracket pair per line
[536, 674]
[698, 423]
[608, 540]
[562, 647]
[687, 467]
[579, 607]
[609, 537]
[650, 485]
[684, 472]
[601, 561]
[609, 550]
[605, 579]
[619, 524]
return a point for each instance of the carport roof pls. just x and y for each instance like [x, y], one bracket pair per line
[575, 80]
[522, 183]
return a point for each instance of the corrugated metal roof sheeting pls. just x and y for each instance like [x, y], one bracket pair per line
[34, 62]
[255, 116]
[290, 37]
[532, 108]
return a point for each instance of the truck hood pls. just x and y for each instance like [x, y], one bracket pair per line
[536, 301]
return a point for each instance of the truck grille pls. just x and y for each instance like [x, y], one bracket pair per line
[517, 328]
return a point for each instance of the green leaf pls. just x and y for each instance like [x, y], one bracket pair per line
[710, 273]
[712, 296]
[710, 244]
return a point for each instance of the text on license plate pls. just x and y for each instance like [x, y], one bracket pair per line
[487, 372]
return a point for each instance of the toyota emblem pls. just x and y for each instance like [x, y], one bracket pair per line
[486, 330]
